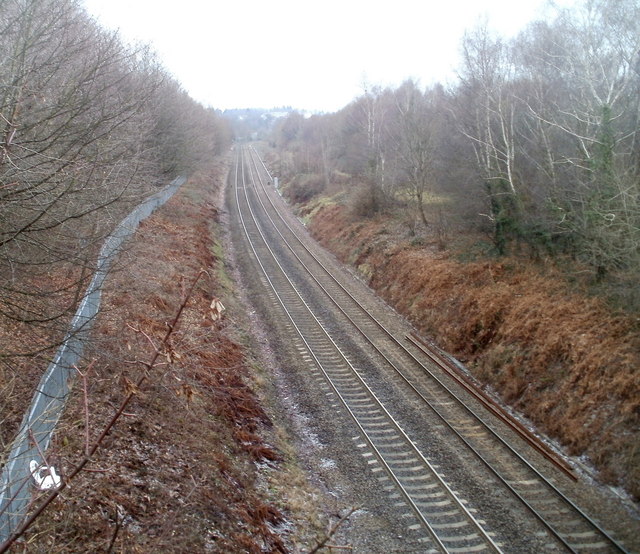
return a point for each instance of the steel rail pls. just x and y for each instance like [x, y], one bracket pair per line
[441, 417]
[513, 424]
[426, 401]
[557, 534]
[407, 495]
[318, 363]
[441, 360]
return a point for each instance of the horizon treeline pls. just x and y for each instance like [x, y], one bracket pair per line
[89, 127]
[536, 145]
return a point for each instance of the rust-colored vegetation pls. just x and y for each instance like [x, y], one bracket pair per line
[560, 357]
[178, 472]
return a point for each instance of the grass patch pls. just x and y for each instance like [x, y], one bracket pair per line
[315, 206]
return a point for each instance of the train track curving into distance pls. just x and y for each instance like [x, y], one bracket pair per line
[439, 517]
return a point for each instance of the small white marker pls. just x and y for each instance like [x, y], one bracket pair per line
[45, 476]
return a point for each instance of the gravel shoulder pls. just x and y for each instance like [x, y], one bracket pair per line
[320, 441]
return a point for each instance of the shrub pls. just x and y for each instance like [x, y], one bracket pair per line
[364, 202]
[304, 186]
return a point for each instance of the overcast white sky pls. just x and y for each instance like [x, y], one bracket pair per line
[309, 55]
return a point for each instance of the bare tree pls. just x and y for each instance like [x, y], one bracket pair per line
[551, 119]
[89, 127]
[72, 111]
[415, 137]
[584, 117]
[184, 133]
[488, 120]
[369, 116]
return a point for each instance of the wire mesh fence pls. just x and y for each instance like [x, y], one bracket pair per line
[26, 468]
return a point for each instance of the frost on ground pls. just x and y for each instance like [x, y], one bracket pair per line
[193, 465]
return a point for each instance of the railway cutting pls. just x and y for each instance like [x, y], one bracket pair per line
[449, 471]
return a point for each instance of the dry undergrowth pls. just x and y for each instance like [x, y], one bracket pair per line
[561, 358]
[26, 347]
[178, 473]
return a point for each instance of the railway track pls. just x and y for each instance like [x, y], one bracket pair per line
[415, 482]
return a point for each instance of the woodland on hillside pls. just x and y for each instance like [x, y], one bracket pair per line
[89, 126]
[501, 217]
[536, 147]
